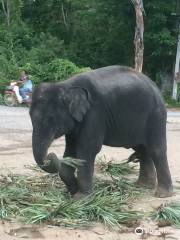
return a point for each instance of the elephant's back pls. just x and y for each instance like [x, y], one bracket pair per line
[120, 84]
[123, 79]
[119, 77]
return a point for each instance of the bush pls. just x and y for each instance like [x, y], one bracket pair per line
[8, 72]
[57, 70]
[170, 103]
[37, 72]
[61, 69]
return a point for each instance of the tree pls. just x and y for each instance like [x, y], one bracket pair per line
[92, 33]
[139, 32]
[6, 10]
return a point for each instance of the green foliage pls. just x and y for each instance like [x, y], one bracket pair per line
[171, 103]
[43, 199]
[61, 69]
[116, 169]
[47, 34]
[160, 36]
[45, 48]
[168, 214]
[55, 70]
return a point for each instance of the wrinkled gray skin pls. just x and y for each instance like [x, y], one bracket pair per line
[113, 106]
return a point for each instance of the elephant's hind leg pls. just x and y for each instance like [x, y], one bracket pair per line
[164, 188]
[157, 149]
[147, 173]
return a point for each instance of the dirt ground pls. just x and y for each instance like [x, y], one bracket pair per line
[16, 154]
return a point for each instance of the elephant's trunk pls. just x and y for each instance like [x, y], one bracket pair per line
[49, 163]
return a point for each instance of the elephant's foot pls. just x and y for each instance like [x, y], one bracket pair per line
[147, 183]
[163, 193]
[79, 195]
[72, 189]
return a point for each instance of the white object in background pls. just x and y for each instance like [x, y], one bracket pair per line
[16, 90]
[177, 69]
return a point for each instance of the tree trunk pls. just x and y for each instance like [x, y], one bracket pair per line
[64, 16]
[138, 38]
[6, 10]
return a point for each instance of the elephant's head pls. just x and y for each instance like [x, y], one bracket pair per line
[55, 110]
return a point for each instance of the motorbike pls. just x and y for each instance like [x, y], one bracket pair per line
[12, 96]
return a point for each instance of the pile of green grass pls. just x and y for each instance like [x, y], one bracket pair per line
[168, 214]
[45, 199]
[116, 169]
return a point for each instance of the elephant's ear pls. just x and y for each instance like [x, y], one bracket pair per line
[79, 102]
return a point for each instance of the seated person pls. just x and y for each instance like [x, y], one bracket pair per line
[26, 86]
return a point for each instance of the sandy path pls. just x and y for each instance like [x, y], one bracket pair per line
[16, 153]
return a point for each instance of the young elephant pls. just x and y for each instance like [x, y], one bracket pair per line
[114, 106]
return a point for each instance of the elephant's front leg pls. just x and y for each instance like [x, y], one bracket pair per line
[85, 172]
[66, 172]
[85, 176]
